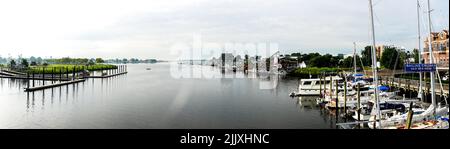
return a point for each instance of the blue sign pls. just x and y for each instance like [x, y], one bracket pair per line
[420, 67]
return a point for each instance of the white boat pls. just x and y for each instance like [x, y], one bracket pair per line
[312, 87]
[419, 115]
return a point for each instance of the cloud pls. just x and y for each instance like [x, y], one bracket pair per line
[147, 29]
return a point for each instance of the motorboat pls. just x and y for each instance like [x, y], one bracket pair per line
[313, 87]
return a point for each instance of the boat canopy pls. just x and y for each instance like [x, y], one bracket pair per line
[383, 88]
[358, 75]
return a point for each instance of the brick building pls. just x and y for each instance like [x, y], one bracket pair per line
[439, 43]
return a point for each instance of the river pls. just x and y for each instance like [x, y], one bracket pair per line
[157, 99]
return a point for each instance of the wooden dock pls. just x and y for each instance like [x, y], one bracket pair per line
[106, 76]
[413, 85]
[53, 85]
[12, 72]
[35, 78]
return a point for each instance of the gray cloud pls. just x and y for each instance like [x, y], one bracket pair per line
[297, 25]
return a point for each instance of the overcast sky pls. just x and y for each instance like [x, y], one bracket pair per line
[149, 28]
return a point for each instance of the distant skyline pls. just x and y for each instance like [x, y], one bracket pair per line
[149, 28]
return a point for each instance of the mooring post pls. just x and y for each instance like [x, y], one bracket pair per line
[375, 122]
[33, 77]
[410, 116]
[345, 95]
[359, 102]
[28, 80]
[320, 86]
[73, 73]
[337, 98]
[324, 84]
[53, 71]
[43, 75]
[67, 73]
[60, 75]
[331, 88]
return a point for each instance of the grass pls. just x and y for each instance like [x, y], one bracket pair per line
[67, 68]
[315, 71]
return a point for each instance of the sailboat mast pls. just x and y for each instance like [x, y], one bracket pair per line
[374, 64]
[430, 50]
[354, 56]
[419, 49]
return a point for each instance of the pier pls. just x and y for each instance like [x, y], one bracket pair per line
[53, 85]
[413, 85]
[63, 78]
[106, 76]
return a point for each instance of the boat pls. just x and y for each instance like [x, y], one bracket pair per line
[148, 69]
[313, 87]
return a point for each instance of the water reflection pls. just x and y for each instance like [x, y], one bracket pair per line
[69, 93]
[154, 99]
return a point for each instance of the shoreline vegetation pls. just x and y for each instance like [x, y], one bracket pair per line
[68, 68]
[64, 65]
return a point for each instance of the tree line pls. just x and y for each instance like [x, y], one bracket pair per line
[391, 58]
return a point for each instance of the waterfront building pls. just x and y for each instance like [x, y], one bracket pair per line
[379, 50]
[440, 49]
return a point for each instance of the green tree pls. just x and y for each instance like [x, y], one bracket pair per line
[99, 60]
[366, 56]
[415, 55]
[12, 64]
[24, 63]
[347, 62]
[392, 58]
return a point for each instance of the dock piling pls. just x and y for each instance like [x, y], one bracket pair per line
[28, 80]
[337, 98]
[359, 101]
[43, 75]
[320, 86]
[345, 95]
[33, 77]
[73, 73]
[60, 74]
[53, 73]
[410, 116]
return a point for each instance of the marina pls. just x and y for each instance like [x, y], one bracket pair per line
[249, 85]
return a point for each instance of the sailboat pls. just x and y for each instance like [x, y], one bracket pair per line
[434, 110]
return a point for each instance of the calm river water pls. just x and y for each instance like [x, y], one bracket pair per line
[157, 99]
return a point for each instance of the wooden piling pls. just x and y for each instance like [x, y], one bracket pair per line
[331, 87]
[53, 75]
[43, 75]
[320, 86]
[28, 80]
[73, 73]
[33, 77]
[337, 98]
[410, 116]
[359, 102]
[324, 84]
[345, 95]
[60, 74]
[375, 122]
